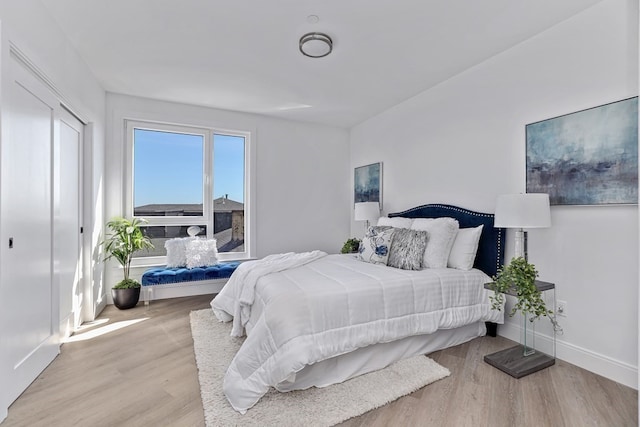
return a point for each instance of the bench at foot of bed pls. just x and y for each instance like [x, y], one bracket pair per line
[162, 282]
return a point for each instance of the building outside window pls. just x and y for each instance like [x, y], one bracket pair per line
[180, 176]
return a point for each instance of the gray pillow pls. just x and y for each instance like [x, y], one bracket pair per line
[407, 249]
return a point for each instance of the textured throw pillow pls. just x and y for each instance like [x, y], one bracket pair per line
[177, 251]
[202, 253]
[465, 246]
[407, 249]
[442, 232]
[396, 222]
[375, 244]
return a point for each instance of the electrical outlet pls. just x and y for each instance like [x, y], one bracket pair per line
[561, 308]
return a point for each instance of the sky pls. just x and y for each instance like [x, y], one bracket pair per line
[168, 167]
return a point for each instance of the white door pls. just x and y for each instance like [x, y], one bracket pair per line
[29, 338]
[67, 241]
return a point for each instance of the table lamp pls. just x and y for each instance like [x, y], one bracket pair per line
[522, 211]
[366, 211]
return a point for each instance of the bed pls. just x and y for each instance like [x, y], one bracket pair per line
[315, 319]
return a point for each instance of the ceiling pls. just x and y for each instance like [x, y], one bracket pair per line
[243, 54]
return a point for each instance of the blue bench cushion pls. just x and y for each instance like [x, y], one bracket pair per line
[163, 275]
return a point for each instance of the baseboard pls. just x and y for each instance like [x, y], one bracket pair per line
[184, 289]
[101, 305]
[4, 412]
[608, 367]
[66, 327]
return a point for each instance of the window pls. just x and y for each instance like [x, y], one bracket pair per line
[167, 173]
[181, 176]
[228, 192]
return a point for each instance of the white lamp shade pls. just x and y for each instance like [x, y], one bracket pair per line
[366, 211]
[529, 210]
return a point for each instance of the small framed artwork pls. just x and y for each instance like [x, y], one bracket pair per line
[367, 183]
[589, 157]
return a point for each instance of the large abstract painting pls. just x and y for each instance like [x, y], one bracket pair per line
[367, 184]
[586, 158]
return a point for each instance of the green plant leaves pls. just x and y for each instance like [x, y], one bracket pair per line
[350, 246]
[519, 279]
[124, 238]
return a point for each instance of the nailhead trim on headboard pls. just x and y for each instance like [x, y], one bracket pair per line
[450, 207]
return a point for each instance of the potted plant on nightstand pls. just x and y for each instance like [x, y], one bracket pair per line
[125, 237]
[350, 246]
[519, 279]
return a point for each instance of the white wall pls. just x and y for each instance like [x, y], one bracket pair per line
[302, 194]
[29, 26]
[463, 143]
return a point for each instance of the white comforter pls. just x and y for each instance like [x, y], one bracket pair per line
[236, 298]
[334, 305]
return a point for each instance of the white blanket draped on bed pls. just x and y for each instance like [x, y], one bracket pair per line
[334, 305]
[236, 298]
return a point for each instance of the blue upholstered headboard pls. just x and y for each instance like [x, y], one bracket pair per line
[490, 255]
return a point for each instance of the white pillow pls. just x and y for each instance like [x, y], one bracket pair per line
[202, 253]
[465, 246]
[397, 222]
[442, 232]
[177, 251]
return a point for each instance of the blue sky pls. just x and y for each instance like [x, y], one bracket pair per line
[168, 167]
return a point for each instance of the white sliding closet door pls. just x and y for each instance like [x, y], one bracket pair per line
[67, 241]
[29, 298]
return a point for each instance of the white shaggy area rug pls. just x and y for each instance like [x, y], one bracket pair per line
[214, 350]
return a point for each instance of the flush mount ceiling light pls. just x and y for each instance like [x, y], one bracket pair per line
[316, 45]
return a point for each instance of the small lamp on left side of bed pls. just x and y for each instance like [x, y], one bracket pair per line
[366, 211]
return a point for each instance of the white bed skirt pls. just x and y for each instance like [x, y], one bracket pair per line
[374, 357]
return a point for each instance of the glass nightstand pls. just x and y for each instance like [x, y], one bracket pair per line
[526, 358]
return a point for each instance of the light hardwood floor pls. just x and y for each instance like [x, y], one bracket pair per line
[144, 374]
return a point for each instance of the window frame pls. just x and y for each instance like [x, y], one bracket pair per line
[207, 217]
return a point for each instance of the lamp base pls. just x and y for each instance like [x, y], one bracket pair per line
[521, 245]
